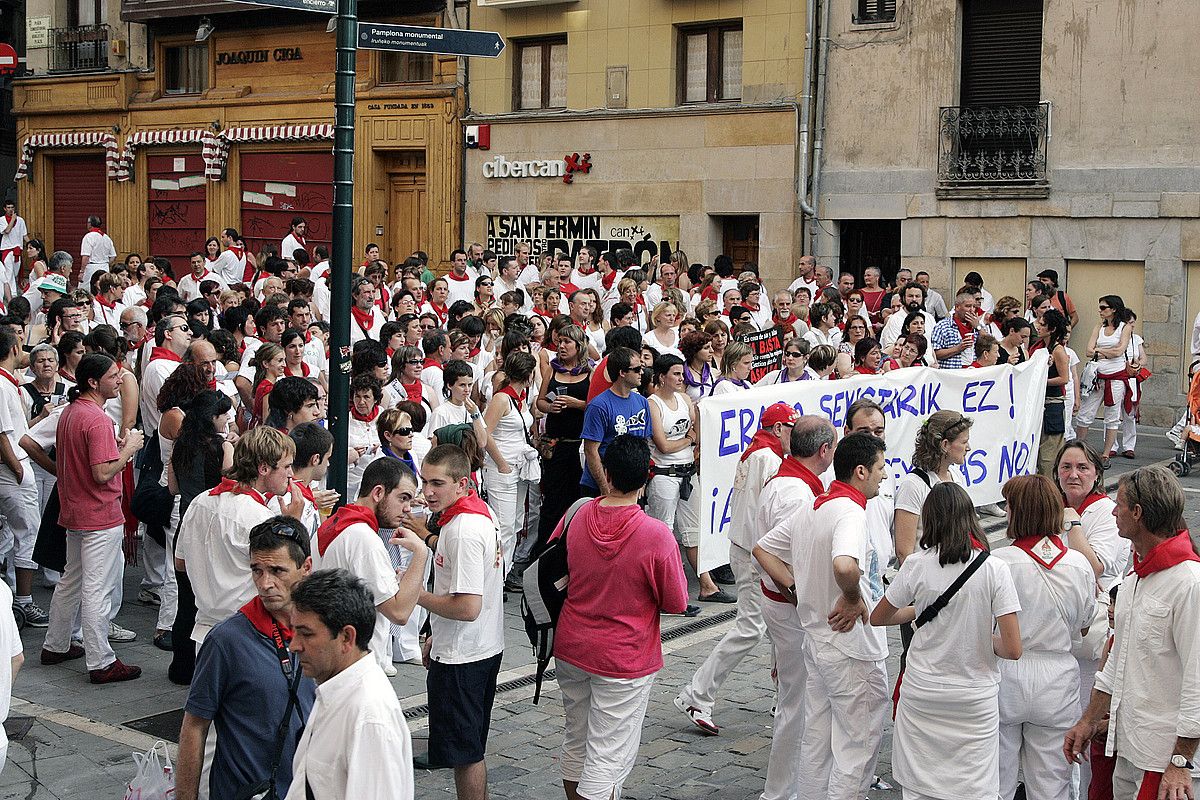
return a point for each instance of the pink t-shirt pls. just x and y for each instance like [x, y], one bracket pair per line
[625, 568]
[86, 438]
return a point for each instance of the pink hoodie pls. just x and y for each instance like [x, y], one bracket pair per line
[625, 568]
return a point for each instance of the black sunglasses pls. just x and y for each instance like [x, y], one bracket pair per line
[402, 431]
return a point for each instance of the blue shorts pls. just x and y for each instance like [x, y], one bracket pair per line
[460, 710]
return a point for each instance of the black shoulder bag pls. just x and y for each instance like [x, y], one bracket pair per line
[266, 789]
[933, 609]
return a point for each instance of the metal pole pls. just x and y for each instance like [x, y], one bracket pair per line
[342, 266]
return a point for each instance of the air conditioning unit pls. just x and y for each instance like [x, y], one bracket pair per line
[523, 3]
[116, 47]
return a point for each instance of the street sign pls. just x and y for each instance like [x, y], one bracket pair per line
[415, 39]
[8, 59]
[321, 6]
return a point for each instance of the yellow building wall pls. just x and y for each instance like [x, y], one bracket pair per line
[642, 35]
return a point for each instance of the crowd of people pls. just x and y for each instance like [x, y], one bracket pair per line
[178, 417]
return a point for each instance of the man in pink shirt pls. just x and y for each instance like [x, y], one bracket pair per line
[625, 569]
[90, 461]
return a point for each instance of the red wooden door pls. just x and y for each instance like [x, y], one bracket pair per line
[279, 186]
[80, 189]
[176, 208]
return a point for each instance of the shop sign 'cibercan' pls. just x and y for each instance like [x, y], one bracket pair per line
[565, 167]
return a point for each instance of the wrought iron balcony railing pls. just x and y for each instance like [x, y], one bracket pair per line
[993, 146]
[83, 48]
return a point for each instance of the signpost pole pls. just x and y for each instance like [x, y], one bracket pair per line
[342, 266]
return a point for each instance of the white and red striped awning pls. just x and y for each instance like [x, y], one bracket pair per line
[38, 141]
[206, 138]
[266, 133]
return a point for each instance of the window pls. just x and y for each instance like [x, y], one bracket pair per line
[540, 74]
[405, 67]
[185, 69]
[710, 63]
[868, 12]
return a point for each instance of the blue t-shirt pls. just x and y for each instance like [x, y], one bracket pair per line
[608, 416]
[239, 684]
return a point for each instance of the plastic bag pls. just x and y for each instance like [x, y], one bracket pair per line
[155, 776]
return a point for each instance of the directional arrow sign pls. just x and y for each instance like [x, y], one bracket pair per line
[414, 39]
[322, 6]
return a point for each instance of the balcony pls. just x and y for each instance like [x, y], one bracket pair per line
[83, 48]
[993, 151]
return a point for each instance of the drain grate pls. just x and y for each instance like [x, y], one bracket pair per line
[697, 625]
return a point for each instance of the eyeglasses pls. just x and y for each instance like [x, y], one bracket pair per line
[402, 431]
[486, 283]
[125, 325]
[213, 293]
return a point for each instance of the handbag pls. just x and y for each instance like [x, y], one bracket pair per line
[1089, 377]
[1054, 421]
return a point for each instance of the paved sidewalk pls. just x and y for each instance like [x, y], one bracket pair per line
[72, 740]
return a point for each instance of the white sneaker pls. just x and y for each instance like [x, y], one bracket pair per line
[389, 670]
[118, 634]
[1176, 437]
[699, 718]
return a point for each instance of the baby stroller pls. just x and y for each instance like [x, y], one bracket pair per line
[1182, 463]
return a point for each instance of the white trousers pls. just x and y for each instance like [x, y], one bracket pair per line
[1089, 406]
[681, 516]
[159, 564]
[845, 705]
[787, 638]
[1039, 702]
[94, 566]
[406, 638]
[1127, 780]
[19, 505]
[602, 730]
[1128, 438]
[508, 495]
[746, 632]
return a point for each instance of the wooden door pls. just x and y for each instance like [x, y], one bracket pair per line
[740, 240]
[408, 210]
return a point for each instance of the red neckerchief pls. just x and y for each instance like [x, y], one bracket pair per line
[207, 272]
[211, 259]
[212, 386]
[382, 299]
[442, 312]
[467, 504]
[976, 365]
[1046, 551]
[864, 371]
[839, 489]
[747, 305]
[1087, 501]
[567, 288]
[451, 276]
[608, 280]
[262, 621]
[238, 252]
[344, 517]
[305, 491]
[1165, 555]
[62, 373]
[95, 230]
[364, 417]
[784, 323]
[304, 370]
[708, 293]
[1036, 345]
[166, 353]
[364, 319]
[10, 376]
[230, 486]
[474, 352]
[764, 439]
[792, 468]
[414, 391]
[146, 303]
[300, 239]
[106, 302]
[511, 392]
[430, 361]
[964, 329]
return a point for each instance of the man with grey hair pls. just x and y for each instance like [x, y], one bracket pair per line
[805, 267]
[135, 329]
[794, 486]
[823, 275]
[1150, 684]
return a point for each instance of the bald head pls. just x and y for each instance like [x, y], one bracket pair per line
[202, 353]
[810, 434]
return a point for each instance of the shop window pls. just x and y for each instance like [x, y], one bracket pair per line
[710, 63]
[405, 68]
[185, 69]
[540, 74]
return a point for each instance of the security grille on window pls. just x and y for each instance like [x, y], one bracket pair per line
[870, 11]
[710, 63]
[540, 78]
[185, 69]
[405, 68]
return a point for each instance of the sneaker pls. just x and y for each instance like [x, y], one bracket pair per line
[35, 617]
[389, 670]
[719, 596]
[992, 509]
[1176, 437]
[164, 641]
[149, 597]
[698, 717]
[514, 585]
[724, 575]
[118, 634]
[50, 658]
[114, 672]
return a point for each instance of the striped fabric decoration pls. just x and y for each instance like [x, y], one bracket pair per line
[150, 138]
[267, 133]
[75, 139]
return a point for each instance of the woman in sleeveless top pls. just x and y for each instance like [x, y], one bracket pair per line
[1110, 340]
[1051, 330]
[563, 398]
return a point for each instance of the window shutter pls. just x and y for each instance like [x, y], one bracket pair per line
[1001, 52]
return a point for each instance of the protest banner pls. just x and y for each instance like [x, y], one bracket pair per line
[647, 236]
[1005, 403]
[767, 347]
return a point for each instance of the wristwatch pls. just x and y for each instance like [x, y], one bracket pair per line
[1181, 762]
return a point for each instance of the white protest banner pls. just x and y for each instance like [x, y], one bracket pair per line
[1005, 403]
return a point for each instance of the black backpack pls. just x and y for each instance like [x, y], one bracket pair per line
[545, 590]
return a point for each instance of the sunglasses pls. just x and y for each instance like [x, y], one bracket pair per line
[1105, 308]
[793, 354]
[414, 361]
[402, 431]
[638, 370]
[288, 530]
[183, 328]
[486, 283]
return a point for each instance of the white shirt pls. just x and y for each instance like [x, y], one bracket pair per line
[1153, 669]
[289, 246]
[749, 479]
[956, 647]
[97, 249]
[815, 337]
[1100, 530]
[189, 285]
[230, 267]
[435, 378]
[107, 316]
[807, 284]
[12, 421]
[912, 491]
[651, 338]
[14, 238]
[1056, 604]
[10, 647]
[154, 375]
[469, 561]
[461, 289]
[134, 295]
[363, 748]
[592, 281]
[781, 499]
[895, 324]
[360, 550]
[836, 528]
[357, 334]
[214, 541]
